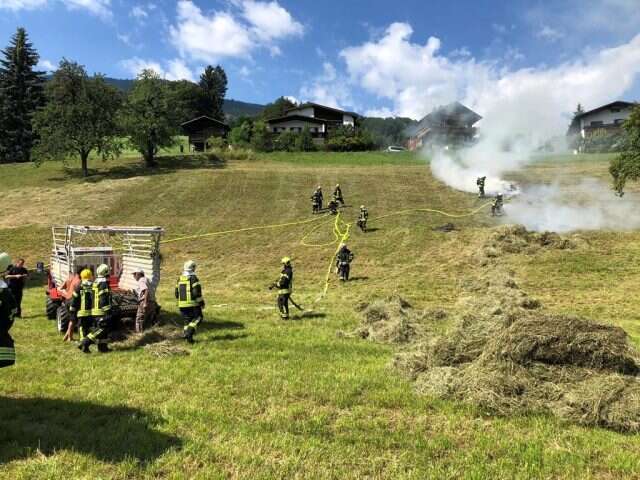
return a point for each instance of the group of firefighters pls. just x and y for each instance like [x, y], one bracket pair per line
[90, 300]
[498, 202]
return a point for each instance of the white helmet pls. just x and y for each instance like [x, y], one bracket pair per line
[5, 262]
[190, 266]
[102, 270]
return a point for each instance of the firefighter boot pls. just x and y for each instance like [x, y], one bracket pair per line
[103, 347]
[188, 334]
[84, 345]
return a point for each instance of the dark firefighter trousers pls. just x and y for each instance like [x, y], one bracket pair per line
[283, 304]
[7, 350]
[192, 318]
[95, 329]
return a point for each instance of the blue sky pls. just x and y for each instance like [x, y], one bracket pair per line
[374, 56]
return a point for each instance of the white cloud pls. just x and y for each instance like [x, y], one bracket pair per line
[175, 69]
[21, 4]
[99, 8]
[269, 21]
[139, 12]
[416, 78]
[328, 89]
[225, 34]
[46, 66]
[550, 34]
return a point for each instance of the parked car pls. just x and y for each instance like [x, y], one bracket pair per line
[395, 149]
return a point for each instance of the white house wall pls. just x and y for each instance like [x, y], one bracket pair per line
[289, 124]
[348, 120]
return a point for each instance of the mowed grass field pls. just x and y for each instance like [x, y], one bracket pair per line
[261, 398]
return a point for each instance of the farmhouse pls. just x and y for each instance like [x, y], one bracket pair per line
[446, 125]
[604, 120]
[319, 119]
[200, 129]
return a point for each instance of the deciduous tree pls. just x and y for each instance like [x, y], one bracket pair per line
[148, 119]
[79, 117]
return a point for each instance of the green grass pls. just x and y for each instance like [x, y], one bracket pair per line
[262, 398]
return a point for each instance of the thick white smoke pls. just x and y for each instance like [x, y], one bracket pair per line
[590, 205]
[521, 111]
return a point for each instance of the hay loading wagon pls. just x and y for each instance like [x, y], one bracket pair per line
[124, 249]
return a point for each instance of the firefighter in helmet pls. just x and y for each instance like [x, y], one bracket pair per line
[8, 311]
[190, 301]
[284, 284]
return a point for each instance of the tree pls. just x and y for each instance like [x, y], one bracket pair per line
[261, 139]
[214, 83]
[188, 99]
[286, 141]
[79, 117]
[21, 94]
[148, 119]
[304, 142]
[277, 108]
[626, 166]
[574, 128]
[349, 139]
[240, 136]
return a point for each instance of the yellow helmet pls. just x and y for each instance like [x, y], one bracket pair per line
[86, 275]
[5, 262]
[286, 260]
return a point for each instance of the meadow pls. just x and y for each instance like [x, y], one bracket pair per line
[258, 397]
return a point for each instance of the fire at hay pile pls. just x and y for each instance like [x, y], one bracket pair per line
[505, 354]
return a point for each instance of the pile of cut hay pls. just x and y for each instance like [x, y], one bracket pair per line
[393, 320]
[505, 354]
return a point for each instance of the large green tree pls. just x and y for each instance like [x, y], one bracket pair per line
[80, 116]
[188, 99]
[148, 119]
[626, 166]
[214, 83]
[21, 94]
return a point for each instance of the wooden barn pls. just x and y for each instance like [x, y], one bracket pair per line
[200, 129]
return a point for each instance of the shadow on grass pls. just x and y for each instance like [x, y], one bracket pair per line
[357, 279]
[33, 426]
[308, 315]
[371, 230]
[166, 164]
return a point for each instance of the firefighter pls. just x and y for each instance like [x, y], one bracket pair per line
[315, 202]
[101, 312]
[82, 308]
[362, 218]
[337, 194]
[8, 312]
[284, 284]
[333, 206]
[480, 183]
[190, 301]
[496, 206]
[344, 257]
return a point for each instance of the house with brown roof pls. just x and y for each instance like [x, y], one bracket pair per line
[319, 119]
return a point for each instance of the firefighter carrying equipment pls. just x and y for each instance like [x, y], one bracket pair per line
[188, 291]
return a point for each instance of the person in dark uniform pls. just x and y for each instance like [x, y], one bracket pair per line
[190, 300]
[16, 278]
[8, 310]
[344, 257]
[284, 284]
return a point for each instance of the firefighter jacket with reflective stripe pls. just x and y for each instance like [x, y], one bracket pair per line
[102, 297]
[82, 301]
[8, 308]
[344, 255]
[189, 292]
[364, 214]
[285, 282]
